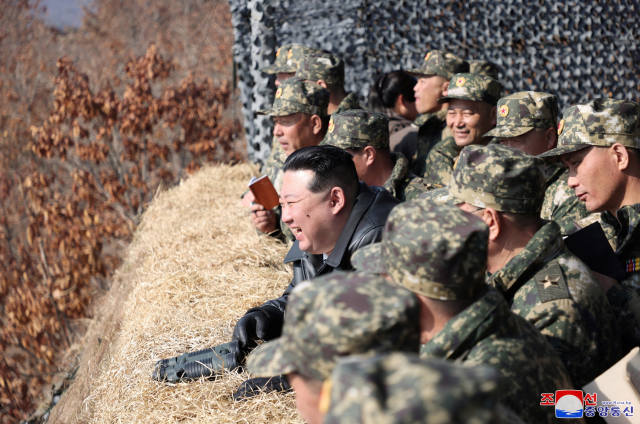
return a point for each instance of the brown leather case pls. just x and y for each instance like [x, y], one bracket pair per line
[264, 192]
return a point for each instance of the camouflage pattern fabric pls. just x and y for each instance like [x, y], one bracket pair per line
[338, 315]
[477, 88]
[440, 162]
[417, 187]
[402, 388]
[560, 204]
[437, 62]
[625, 298]
[436, 251]
[432, 129]
[321, 66]
[294, 95]
[488, 333]
[287, 58]
[499, 177]
[484, 67]
[400, 177]
[348, 103]
[557, 293]
[358, 128]
[521, 112]
[600, 122]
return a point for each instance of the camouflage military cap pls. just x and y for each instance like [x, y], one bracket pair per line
[484, 67]
[358, 128]
[321, 66]
[437, 62]
[601, 122]
[294, 95]
[287, 58]
[436, 251]
[496, 177]
[402, 388]
[477, 88]
[337, 315]
[521, 112]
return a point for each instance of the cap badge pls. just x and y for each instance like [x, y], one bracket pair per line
[332, 126]
[504, 111]
[460, 81]
[278, 92]
[289, 54]
[560, 127]
[278, 52]
[427, 56]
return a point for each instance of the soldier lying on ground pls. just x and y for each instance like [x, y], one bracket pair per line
[331, 215]
[365, 135]
[528, 263]
[527, 121]
[440, 253]
[599, 142]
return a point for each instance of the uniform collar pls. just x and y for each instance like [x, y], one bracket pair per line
[626, 224]
[399, 171]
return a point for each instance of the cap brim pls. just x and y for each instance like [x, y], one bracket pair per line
[440, 197]
[369, 259]
[277, 112]
[447, 99]
[268, 70]
[419, 72]
[564, 150]
[271, 359]
[503, 132]
[283, 69]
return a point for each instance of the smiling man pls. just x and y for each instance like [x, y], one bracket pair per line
[331, 215]
[599, 142]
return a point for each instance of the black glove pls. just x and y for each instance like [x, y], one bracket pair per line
[263, 323]
[255, 386]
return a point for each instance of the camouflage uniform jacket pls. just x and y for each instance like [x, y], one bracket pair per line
[439, 165]
[557, 293]
[560, 202]
[430, 131]
[273, 167]
[400, 177]
[625, 297]
[488, 333]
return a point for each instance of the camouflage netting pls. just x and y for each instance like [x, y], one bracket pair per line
[576, 50]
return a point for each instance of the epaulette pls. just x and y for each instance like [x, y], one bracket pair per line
[551, 283]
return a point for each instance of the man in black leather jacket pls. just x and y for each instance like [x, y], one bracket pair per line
[331, 215]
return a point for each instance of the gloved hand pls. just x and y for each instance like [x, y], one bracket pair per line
[255, 386]
[263, 323]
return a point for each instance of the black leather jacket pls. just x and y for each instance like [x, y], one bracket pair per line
[364, 226]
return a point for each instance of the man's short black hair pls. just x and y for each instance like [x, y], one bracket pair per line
[332, 167]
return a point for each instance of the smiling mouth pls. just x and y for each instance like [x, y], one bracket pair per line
[296, 230]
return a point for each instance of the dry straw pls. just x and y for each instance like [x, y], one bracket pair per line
[197, 266]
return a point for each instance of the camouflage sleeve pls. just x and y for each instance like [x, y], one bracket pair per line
[416, 187]
[625, 302]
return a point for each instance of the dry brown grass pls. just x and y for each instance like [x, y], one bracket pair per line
[195, 266]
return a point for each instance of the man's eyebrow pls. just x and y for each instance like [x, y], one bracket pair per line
[289, 195]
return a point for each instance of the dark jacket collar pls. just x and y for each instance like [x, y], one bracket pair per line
[363, 202]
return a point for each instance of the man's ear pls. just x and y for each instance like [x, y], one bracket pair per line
[494, 117]
[337, 200]
[445, 88]
[551, 135]
[492, 218]
[621, 155]
[322, 84]
[316, 124]
[369, 155]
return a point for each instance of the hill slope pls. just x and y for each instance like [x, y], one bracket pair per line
[195, 266]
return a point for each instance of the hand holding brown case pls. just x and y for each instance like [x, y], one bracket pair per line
[264, 192]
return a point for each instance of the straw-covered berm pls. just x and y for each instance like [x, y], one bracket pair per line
[196, 265]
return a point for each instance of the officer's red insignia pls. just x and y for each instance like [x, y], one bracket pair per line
[504, 111]
[460, 81]
[427, 56]
[560, 127]
[331, 126]
[278, 92]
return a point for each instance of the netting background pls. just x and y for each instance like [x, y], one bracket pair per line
[576, 50]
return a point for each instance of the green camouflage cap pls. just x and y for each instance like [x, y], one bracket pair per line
[294, 95]
[484, 67]
[321, 66]
[496, 177]
[521, 112]
[358, 128]
[337, 315]
[601, 122]
[436, 251]
[477, 88]
[402, 388]
[287, 58]
[437, 62]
